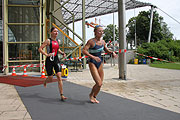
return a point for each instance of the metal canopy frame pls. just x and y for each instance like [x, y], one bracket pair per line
[94, 8]
[7, 23]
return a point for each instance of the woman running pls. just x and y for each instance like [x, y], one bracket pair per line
[52, 61]
[93, 49]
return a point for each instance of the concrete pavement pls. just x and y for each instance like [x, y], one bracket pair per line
[11, 106]
[152, 86]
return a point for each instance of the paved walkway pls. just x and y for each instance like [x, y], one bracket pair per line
[11, 106]
[152, 86]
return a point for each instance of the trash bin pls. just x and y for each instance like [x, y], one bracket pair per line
[64, 72]
[144, 61]
[135, 61]
[148, 61]
[140, 61]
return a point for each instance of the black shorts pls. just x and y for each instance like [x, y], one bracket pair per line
[52, 64]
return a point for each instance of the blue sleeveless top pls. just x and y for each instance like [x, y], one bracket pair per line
[96, 49]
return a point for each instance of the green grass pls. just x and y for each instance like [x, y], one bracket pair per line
[166, 65]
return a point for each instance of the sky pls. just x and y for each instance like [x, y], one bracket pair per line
[171, 7]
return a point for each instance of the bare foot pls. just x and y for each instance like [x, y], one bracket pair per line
[96, 100]
[92, 99]
[63, 98]
[45, 82]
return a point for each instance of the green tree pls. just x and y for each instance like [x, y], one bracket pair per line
[159, 28]
[108, 33]
[165, 31]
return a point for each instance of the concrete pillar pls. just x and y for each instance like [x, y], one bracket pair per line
[122, 39]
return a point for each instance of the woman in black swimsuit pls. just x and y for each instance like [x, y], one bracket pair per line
[52, 61]
[93, 49]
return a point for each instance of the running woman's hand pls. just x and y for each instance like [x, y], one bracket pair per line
[114, 55]
[97, 59]
[64, 55]
[50, 54]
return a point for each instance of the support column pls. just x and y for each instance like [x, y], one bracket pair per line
[42, 25]
[150, 27]
[44, 20]
[51, 19]
[122, 39]
[40, 30]
[83, 30]
[5, 35]
[113, 34]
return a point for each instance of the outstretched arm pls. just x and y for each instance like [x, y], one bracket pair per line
[109, 51]
[61, 52]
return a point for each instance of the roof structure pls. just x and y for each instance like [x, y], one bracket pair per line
[94, 8]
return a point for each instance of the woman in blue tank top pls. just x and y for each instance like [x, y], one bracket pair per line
[93, 49]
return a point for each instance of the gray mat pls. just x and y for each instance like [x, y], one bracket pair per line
[44, 104]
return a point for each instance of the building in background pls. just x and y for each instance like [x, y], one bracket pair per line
[25, 24]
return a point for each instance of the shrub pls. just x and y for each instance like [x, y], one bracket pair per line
[166, 49]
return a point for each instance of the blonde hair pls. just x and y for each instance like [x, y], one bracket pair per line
[96, 27]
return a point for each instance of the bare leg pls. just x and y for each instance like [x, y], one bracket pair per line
[49, 79]
[60, 85]
[101, 74]
[97, 75]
